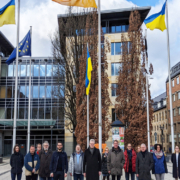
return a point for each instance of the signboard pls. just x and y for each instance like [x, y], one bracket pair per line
[118, 134]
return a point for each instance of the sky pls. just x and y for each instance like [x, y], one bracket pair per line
[42, 16]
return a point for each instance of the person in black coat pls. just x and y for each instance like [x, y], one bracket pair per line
[92, 162]
[17, 163]
[104, 164]
[175, 159]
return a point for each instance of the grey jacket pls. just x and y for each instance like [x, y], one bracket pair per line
[144, 165]
[115, 161]
[71, 162]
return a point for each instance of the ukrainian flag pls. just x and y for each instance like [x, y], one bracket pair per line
[80, 3]
[157, 21]
[88, 73]
[7, 13]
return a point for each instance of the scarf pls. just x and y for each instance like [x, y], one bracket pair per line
[158, 154]
[143, 154]
[129, 154]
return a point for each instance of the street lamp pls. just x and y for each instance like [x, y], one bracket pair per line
[51, 135]
[162, 128]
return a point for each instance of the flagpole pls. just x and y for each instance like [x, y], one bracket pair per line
[87, 114]
[29, 106]
[170, 90]
[99, 79]
[16, 78]
[147, 96]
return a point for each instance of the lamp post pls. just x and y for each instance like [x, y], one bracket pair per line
[51, 135]
[162, 128]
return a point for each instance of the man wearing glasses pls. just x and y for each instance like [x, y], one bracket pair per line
[144, 164]
[92, 162]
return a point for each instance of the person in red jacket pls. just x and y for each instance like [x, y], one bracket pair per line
[130, 162]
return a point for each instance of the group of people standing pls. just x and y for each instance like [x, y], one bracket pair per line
[48, 165]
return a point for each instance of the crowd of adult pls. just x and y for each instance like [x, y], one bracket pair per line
[47, 165]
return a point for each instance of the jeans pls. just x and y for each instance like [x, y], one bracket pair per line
[59, 175]
[33, 177]
[44, 178]
[78, 176]
[137, 178]
[159, 176]
[132, 176]
[114, 177]
[13, 176]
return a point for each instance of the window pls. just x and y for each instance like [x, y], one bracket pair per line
[48, 113]
[34, 113]
[174, 127]
[42, 92]
[36, 70]
[23, 70]
[115, 67]
[2, 113]
[113, 89]
[179, 110]
[116, 26]
[54, 112]
[160, 116]
[42, 70]
[9, 92]
[114, 117]
[159, 104]
[173, 83]
[166, 114]
[157, 128]
[10, 71]
[174, 112]
[157, 117]
[48, 92]
[35, 92]
[22, 92]
[3, 70]
[164, 102]
[41, 113]
[2, 92]
[174, 97]
[116, 48]
[21, 113]
[178, 95]
[74, 88]
[177, 80]
[49, 70]
[166, 126]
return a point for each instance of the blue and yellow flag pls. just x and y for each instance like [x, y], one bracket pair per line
[80, 3]
[157, 21]
[88, 73]
[24, 49]
[7, 13]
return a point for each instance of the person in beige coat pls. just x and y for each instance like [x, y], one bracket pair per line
[115, 161]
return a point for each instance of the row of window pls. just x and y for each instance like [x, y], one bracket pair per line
[46, 91]
[37, 70]
[160, 116]
[116, 48]
[159, 139]
[177, 81]
[158, 128]
[174, 96]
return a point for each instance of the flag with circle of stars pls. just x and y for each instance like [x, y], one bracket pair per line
[24, 49]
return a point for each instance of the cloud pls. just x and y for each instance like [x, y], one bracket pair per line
[42, 16]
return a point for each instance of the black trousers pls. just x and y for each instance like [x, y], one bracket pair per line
[114, 177]
[33, 177]
[59, 175]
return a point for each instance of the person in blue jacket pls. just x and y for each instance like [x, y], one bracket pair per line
[31, 163]
[160, 166]
[59, 163]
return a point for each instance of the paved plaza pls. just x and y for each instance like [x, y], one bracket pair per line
[5, 172]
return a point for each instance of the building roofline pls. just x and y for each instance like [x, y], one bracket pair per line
[114, 10]
[159, 95]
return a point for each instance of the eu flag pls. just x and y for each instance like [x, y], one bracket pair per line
[24, 49]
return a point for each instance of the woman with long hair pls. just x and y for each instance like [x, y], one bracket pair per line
[160, 166]
[175, 159]
[17, 163]
[104, 164]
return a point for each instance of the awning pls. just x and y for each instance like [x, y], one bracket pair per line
[25, 122]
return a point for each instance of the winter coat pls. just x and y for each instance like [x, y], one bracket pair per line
[54, 162]
[104, 165]
[17, 163]
[115, 161]
[92, 164]
[173, 160]
[71, 162]
[28, 164]
[144, 165]
[133, 160]
[45, 160]
[160, 165]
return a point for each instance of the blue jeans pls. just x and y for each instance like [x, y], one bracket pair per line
[59, 175]
[132, 176]
[78, 177]
[44, 178]
[137, 178]
[13, 176]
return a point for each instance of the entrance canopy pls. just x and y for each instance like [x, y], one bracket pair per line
[25, 122]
